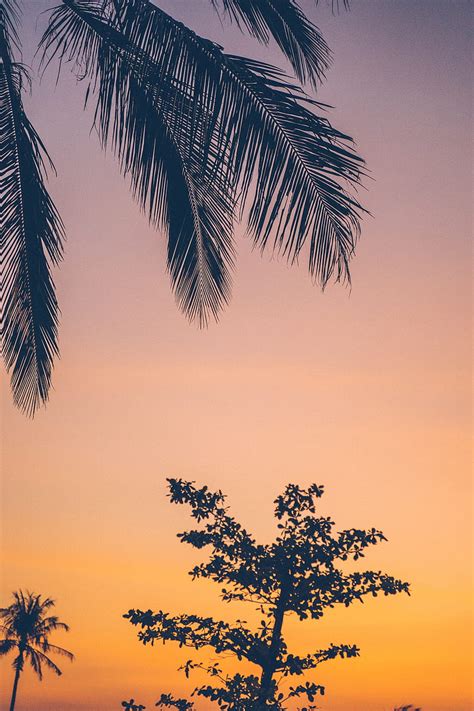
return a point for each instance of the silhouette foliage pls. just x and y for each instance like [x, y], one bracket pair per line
[31, 233]
[201, 135]
[301, 573]
[132, 706]
[26, 625]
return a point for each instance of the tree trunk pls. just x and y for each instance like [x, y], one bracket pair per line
[18, 668]
[269, 669]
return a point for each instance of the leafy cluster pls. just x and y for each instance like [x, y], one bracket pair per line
[300, 573]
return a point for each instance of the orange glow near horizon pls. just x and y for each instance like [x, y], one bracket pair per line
[365, 391]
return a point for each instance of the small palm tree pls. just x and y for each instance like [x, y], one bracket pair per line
[26, 628]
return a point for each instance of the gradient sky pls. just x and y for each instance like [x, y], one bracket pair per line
[366, 391]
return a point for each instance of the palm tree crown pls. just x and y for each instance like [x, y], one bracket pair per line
[26, 625]
[202, 136]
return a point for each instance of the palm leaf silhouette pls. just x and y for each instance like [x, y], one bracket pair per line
[244, 126]
[300, 41]
[160, 148]
[203, 137]
[31, 235]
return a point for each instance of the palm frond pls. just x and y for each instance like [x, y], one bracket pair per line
[298, 38]
[31, 238]
[272, 139]
[48, 647]
[6, 646]
[33, 657]
[302, 167]
[44, 628]
[173, 169]
[336, 5]
[49, 624]
[192, 126]
[9, 20]
[37, 659]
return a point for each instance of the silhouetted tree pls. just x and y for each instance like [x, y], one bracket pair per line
[26, 626]
[196, 131]
[296, 574]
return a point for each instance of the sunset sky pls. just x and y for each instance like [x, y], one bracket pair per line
[366, 391]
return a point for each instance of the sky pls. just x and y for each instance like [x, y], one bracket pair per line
[365, 390]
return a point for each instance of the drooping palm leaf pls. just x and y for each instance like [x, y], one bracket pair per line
[302, 166]
[31, 237]
[298, 161]
[161, 150]
[262, 129]
[299, 40]
[9, 19]
[168, 180]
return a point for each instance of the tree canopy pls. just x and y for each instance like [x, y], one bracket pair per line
[302, 572]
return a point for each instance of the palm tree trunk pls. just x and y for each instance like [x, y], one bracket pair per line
[18, 668]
